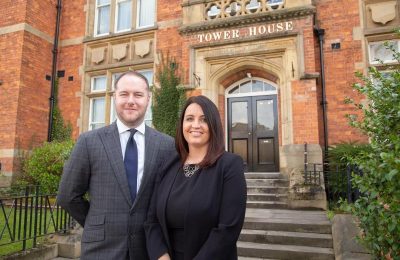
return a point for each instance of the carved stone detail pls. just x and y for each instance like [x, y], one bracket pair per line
[383, 12]
[224, 9]
[119, 51]
[98, 55]
[142, 48]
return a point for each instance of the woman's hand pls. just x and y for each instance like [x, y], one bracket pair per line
[165, 257]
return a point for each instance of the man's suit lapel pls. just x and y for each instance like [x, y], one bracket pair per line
[112, 145]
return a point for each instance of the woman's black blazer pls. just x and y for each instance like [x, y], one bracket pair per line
[214, 217]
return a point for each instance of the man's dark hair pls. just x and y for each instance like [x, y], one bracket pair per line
[131, 73]
[216, 145]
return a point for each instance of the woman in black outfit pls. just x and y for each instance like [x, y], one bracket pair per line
[198, 207]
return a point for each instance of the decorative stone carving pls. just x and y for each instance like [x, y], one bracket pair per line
[383, 12]
[119, 51]
[98, 55]
[142, 48]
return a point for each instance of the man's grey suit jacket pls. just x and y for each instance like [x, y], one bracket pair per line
[113, 224]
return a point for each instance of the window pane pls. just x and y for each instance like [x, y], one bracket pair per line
[98, 109]
[97, 113]
[99, 83]
[113, 113]
[148, 75]
[378, 51]
[239, 116]
[235, 90]
[114, 78]
[149, 113]
[103, 2]
[124, 15]
[268, 87]
[146, 13]
[245, 87]
[265, 115]
[257, 86]
[103, 20]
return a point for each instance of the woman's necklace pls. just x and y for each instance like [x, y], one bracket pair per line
[190, 169]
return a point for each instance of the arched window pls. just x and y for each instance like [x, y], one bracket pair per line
[251, 87]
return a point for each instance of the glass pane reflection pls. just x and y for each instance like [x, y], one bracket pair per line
[265, 115]
[239, 116]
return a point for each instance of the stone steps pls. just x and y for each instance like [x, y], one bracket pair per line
[291, 225]
[266, 189]
[263, 175]
[272, 231]
[267, 204]
[266, 197]
[278, 251]
[268, 182]
[285, 237]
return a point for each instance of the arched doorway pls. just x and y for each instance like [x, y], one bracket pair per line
[252, 120]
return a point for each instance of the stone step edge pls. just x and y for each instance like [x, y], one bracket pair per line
[286, 248]
[286, 233]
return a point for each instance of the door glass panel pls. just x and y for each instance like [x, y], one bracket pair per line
[239, 116]
[240, 148]
[265, 115]
[266, 153]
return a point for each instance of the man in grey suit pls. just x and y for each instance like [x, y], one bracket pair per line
[101, 164]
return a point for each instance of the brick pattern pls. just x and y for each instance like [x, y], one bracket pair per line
[338, 18]
[305, 112]
[70, 59]
[42, 15]
[73, 19]
[12, 12]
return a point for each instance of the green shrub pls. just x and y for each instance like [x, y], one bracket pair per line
[46, 162]
[378, 209]
[345, 152]
[60, 130]
[168, 98]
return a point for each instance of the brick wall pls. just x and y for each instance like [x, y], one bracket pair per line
[12, 12]
[70, 60]
[338, 18]
[25, 60]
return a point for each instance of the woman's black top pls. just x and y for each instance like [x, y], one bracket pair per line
[176, 209]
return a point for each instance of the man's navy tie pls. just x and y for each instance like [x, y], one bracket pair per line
[131, 163]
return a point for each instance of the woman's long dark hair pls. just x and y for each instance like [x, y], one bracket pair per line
[216, 144]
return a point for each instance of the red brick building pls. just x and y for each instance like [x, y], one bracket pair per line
[258, 60]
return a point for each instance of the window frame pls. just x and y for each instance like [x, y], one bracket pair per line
[138, 3]
[374, 62]
[92, 80]
[90, 122]
[96, 19]
[116, 16]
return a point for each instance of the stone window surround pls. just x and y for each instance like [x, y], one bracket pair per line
[91, 19]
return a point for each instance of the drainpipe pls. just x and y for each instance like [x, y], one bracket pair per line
[320, 33]
[54, 71]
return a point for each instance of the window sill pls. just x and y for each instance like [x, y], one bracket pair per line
[124, 33]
